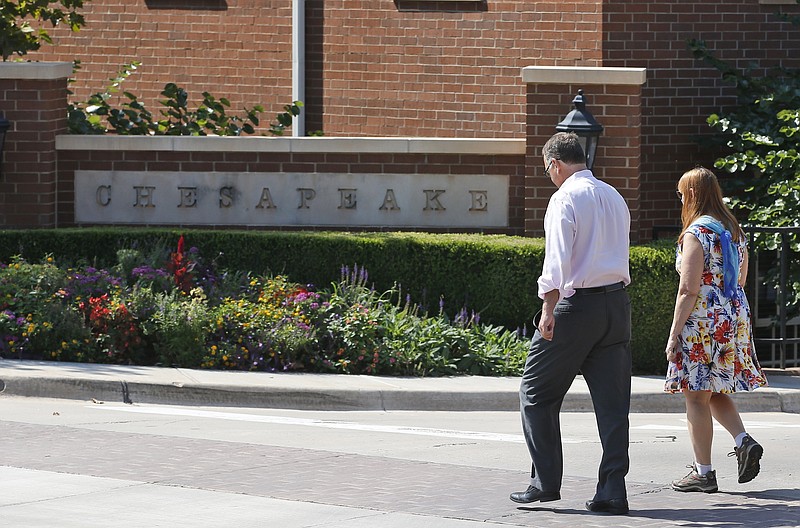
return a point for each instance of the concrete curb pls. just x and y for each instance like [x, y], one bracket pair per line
[329, 392]
[345, 399]
[342, 399]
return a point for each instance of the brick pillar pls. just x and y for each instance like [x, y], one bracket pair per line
[33, 97]
[613, 96]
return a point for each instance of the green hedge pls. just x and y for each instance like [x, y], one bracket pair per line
[491, 274]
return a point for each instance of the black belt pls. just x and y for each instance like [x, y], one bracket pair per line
[600, 289]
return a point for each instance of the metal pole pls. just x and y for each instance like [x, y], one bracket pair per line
[782, 294]
[299, 64]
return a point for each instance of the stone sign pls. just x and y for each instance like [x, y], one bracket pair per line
[291, 199]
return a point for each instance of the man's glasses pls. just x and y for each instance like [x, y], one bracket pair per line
[680, 195]
[547, 169]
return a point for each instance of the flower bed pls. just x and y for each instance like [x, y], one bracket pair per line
[172, 308]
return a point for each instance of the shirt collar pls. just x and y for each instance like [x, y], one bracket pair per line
[586, 173]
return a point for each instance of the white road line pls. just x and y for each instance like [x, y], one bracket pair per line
[283, 420]
[748, 425]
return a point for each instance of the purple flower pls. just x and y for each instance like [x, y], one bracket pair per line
[148, 272]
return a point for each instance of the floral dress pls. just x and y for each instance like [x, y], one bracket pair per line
[716, 342]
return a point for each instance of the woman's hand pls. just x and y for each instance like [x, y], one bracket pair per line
[673, 349]
[688, 290]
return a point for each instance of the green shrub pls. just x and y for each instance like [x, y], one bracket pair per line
[653, 289]
[494, 276]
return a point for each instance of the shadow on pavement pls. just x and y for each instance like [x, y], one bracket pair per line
[762, 515]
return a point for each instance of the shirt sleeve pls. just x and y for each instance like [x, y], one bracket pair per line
[559, 232]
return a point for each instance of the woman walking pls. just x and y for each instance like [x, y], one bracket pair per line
[710, 347]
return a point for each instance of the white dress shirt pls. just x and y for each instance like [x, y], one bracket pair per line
[587, 237]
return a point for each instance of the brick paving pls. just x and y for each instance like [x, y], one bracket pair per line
[370, 482]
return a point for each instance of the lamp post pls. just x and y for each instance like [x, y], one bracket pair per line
[5, 124]
[583, 123]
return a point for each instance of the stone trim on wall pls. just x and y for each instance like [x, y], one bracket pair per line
[309, 145]
[35, 71]
[583, 75]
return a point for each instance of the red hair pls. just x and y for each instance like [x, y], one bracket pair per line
[702, 195]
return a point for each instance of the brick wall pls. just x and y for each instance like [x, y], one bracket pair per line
[403, 68]
[36, 110]
[439, 69]
[235, 49]
[680, 91]
[448, 69]
[40, 192]
[615, 95]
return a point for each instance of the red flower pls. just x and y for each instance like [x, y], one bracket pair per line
[697, 353]
[180, 268]
[723, 332]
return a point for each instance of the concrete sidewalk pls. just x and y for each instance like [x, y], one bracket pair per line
[331, 392]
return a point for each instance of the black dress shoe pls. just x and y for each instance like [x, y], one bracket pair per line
[534, 494]
[612, 506]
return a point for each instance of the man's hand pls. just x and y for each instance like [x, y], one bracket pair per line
[547, 323]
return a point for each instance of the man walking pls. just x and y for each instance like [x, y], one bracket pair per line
[585, 326]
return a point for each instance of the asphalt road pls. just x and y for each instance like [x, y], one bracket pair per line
[82, 464]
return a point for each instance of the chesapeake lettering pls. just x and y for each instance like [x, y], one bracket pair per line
[187, 197]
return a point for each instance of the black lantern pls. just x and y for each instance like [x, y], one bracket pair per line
[5, 124]
[584, 125]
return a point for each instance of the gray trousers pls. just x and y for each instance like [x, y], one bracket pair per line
[591, 336]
